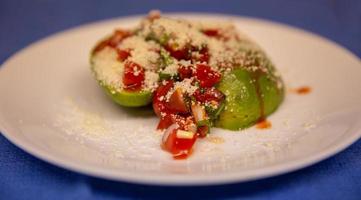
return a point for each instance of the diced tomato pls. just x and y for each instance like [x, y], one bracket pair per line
[175, 119]
[211, 32]
[123, 54]
[206, 76]
[163, 89]
[159, 103]
[185, 144]
[203, 131]
[184, 122]
[133, 76]
[101, 46]
[166, 136]
[177, 102]
[118, 36]
[185, 72]
[215, 33]
[179, 147]
[179, 54]
[165, 121]
[208, 95]
[158, 107]
[169, 144]
[113, 41]
[203, 55]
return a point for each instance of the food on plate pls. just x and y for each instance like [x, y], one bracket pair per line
[196, 75]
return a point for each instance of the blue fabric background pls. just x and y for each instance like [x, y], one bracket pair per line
[23, 176]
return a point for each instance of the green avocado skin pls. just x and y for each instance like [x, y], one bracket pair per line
[249, 97]
[129, 99]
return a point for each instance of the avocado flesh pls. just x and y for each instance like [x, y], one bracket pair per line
[250, 96]
[129, 98]
[241, 102]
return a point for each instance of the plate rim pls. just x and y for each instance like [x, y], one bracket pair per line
[179, 180]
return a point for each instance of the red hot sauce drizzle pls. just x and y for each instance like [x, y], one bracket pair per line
[264, 124]
[303, 90]
[256, 74]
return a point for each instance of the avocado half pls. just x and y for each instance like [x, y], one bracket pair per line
[251, 95]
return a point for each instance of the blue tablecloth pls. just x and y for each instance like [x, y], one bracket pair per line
[23, 176]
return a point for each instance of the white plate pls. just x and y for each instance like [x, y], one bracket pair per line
[51, 107]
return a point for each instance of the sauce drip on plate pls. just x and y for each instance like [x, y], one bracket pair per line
[263, 124]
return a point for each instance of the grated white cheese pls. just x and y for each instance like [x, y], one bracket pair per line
[180, 32]
[151, 80]
[185, 85]
[185, 62]
[171, 69]
[142, 52]
[107, 68]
